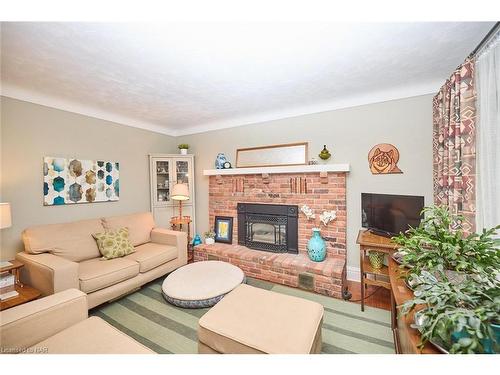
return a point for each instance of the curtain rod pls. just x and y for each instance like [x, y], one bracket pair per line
[485, 40]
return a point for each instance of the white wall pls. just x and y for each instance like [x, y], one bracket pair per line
[349, 134]
[29, 132]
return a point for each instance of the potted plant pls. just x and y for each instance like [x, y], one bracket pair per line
[434, 244]
[316, 246]
[209, 237]
[456, 317]
[455, 281]
[183, 147]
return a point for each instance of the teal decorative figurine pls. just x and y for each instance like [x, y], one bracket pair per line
[196, 240]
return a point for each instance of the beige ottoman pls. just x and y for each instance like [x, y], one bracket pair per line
[201, 284]
[254, 320]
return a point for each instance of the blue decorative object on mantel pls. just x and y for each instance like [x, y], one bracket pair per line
[316, 247]
[221, 159]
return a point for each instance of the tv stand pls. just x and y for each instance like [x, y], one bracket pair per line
[379, 232]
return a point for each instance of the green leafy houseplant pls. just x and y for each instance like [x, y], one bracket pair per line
[458, 317]
[456, 283]
[433, 244]
[183, 146]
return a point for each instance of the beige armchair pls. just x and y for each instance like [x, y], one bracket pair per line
[59, 324]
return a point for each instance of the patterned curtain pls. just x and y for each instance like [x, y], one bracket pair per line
[454, 117]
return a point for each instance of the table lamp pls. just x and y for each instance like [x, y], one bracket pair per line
[5, 216]
[180, 193]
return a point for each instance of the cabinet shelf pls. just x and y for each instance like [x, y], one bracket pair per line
[371, 276]
[367, 268]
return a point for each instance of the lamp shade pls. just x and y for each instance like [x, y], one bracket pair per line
[5, 217]
[180, 192]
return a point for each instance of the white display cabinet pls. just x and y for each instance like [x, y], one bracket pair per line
[165, 171]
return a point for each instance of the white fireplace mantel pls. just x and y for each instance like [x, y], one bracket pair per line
[284, 169]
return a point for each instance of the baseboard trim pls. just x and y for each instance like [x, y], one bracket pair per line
[353, 273]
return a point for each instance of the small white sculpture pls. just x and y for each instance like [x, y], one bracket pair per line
[306, 210]
[324, 218]
[327, 216]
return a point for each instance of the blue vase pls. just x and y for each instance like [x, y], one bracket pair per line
[316, 247]
[220, 160]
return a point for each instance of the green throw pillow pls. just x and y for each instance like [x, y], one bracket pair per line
[114, 244]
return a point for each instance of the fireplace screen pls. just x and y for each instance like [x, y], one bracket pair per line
[268, 227]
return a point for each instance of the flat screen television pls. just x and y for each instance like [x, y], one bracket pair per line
[389, 215]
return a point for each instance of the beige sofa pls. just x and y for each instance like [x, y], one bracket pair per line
[59, 324]
[63, 256]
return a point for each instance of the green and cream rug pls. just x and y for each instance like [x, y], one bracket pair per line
[145, 316]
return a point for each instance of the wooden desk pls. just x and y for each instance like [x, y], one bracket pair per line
[406, 339]
[368, 241]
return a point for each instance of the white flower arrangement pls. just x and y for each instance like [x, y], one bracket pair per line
[306, 210]
[324, 218]
[327, 216]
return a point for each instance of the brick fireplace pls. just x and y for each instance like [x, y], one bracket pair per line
[321, 191]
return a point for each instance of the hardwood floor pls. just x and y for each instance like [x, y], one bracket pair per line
[381, 298]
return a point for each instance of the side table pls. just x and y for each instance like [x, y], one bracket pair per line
[177, 223]
[26, 292]
[368, 241]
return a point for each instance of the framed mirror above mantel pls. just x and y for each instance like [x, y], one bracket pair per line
[273, 155]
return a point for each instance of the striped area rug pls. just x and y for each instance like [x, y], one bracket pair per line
[149, 319]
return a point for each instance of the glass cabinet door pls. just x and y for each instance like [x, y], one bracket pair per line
[162, 181]
[183, 174]
[182, 171]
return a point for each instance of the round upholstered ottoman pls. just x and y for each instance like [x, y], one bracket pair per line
[201, 284]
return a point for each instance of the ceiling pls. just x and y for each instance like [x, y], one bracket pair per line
[184, 78]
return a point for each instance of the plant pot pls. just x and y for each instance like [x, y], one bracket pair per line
[184, 151]
[376, 259]
[209, 241]
[487, 343]
[316, 247]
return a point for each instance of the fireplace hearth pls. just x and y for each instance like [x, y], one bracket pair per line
[268, 227]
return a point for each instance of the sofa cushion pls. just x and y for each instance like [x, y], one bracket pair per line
[139, 225]
[114, 243]
[72, 241]
[151, 255]
[96, 274]
[90, 336]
